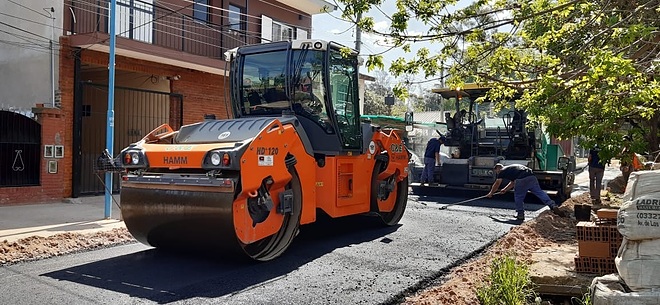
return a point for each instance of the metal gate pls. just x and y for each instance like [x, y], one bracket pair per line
[137, 112]
[20, 149]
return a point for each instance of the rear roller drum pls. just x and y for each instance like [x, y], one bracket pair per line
[386, 191]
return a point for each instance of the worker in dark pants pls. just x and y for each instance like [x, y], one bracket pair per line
[431, 158]
[596, 172]
[521, 179]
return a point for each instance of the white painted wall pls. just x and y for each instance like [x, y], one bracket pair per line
[25, 57]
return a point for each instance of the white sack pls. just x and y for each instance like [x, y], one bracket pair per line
[609, 290]
[642, 183]
[639, 218]
[638, 264]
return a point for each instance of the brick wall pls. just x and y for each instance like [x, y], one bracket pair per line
[203, 93]
[67, 66]
[52, 186]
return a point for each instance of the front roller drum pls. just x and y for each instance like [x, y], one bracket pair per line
[184, 219]
[180, 219]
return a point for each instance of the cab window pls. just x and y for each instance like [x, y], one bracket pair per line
[344, 94]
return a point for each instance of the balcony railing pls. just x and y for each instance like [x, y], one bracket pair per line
[158, 23]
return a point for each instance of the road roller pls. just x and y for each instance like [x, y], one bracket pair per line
[296, 145]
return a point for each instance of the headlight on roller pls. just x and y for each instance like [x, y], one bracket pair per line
[135, 158]
[219, 159]
[215, 158]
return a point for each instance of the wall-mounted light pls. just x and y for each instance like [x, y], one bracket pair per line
[174, 77]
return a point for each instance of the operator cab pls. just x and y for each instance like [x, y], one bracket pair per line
[311, 79]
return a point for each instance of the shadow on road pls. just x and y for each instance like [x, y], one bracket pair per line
[164, 277]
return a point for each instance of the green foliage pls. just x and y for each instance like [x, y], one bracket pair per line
[375, 93]
[508, 283]
[375, 104]
[585, 300]
[585, 68]
[399, 109]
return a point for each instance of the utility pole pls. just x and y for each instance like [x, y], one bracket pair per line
[358, 43]
[110, 128]
[358, 33]
[52, 58]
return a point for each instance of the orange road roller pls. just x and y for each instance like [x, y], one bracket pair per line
[296, 144]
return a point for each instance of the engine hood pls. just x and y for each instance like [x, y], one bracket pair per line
[221, 131]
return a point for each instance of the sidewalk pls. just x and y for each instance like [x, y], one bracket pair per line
[79, 215]
[581, 184]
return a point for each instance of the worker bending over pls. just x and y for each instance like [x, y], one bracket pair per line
[521, 179]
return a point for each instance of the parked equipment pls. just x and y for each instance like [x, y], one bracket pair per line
[478, 137]
[296, 145]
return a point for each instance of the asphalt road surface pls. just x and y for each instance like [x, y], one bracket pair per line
[341, 261]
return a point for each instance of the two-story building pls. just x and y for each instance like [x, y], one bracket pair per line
[169, 66]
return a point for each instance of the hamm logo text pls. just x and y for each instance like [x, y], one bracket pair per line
[175, 160]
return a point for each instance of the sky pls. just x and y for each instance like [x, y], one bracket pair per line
[328, 26]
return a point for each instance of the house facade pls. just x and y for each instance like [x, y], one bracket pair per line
[169, 68]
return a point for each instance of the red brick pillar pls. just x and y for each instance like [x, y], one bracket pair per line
[54, 169]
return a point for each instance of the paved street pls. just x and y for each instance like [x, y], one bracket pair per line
[341, 261]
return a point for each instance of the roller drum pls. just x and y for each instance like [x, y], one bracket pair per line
[180, 219]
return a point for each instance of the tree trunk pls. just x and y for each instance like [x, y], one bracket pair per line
[653, 137]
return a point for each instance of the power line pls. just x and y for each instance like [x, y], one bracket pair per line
[25, 31]
[156, 21]
[252, 16]
[26, 38]
[30, 9]
[32, 21]
[120, 34]
[28, 46]
[102, 11]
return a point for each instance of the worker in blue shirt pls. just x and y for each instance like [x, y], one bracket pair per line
[431, 158]
[521, 179]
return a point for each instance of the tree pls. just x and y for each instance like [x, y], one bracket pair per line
[374, 104]
[585, 68]
[433, 102]
[375, 93]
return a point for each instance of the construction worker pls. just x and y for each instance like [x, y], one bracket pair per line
[431, 158]
[629, 160]
[596, 172]
[521, 179]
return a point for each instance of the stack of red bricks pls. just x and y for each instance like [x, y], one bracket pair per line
[598, 243]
